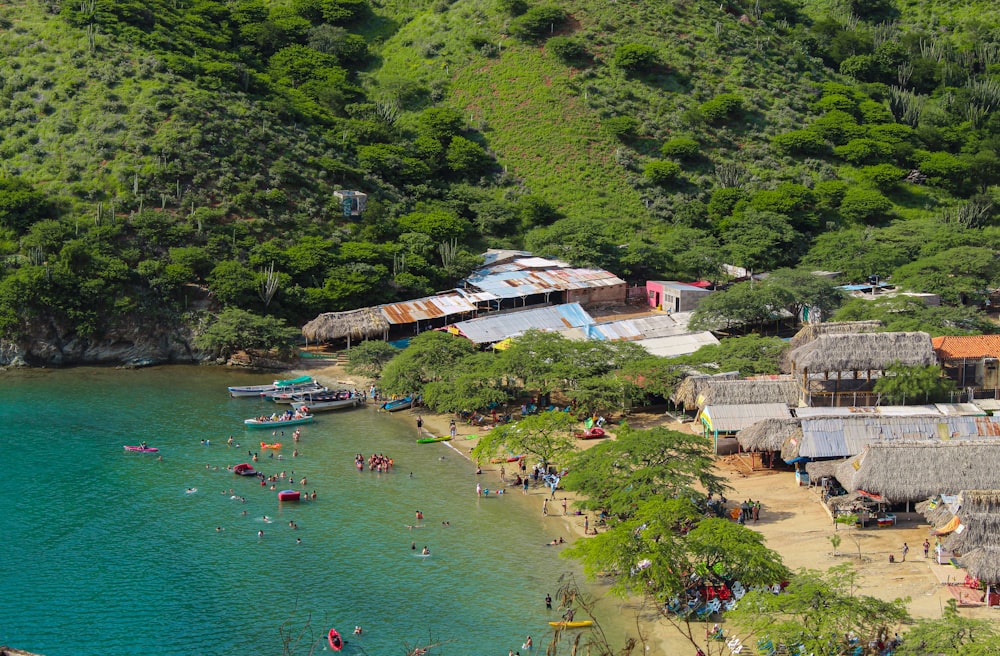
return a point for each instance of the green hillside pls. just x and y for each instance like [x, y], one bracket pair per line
[155, 153]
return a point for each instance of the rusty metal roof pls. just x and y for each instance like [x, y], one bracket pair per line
[423, 309]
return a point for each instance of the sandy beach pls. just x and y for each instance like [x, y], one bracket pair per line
[793, 521]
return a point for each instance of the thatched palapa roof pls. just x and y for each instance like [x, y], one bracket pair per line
[687, 392]
[745, 392]
[356, 324]
[863, 352]
[983, 563]
[821, 468]
[913, 471]
[811, 331]
[768, 434]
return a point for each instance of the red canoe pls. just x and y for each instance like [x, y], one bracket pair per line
[336, 642]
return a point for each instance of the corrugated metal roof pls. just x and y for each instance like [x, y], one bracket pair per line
[422, 309]
[680, 286]
[476, 296]
[508, 281]
[668, 347]
[538, 263]
[961, 409]
[841, 437]
[486, 330]
[870, 411]
[733, 418]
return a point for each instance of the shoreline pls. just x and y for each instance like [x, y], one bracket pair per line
[793, 522]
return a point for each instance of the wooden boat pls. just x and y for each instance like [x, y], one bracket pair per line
[244, 469]
[289, 495]
[141, 449]
[431, 440]
[257, 390]
[267, 422]
[397, 404]
[591, 433]
[576, 624]
[336, 642]
[333, 404]
[285, 394]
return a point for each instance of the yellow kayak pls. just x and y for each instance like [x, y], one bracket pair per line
[578, 624]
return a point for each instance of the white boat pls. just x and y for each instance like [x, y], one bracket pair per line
[288, 396]
[282, 385]
[333, 404]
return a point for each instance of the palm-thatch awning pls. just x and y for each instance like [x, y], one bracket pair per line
[863, 352]
[352, 324]
[817, 470]
[768, 434]
[745, 392]
[811, 331]
[913, 471]
[983, 563]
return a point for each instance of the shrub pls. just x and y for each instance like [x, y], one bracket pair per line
[683, 148]
[874, 112]
[882, 176]
[835, 101]
[942, 169]
[863, 151]
[829, 193]
[566, 49]
[800, 142]
[837, 126]
[721, 108]
[620, 127]
[724, 201]
[636, 57]
[535, 23]
[661, 172]
[513, 7]
[867, 205]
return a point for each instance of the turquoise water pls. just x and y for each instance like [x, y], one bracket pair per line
[107, 552]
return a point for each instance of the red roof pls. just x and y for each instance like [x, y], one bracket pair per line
[966, 346]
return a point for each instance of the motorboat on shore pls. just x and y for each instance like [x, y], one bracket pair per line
[282, 385]
[288, 395]
[244, 469]
[398, 404]
[289, 495]
[278, 420]
[141, 448]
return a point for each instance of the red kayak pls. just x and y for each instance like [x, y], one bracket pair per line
[336, 642]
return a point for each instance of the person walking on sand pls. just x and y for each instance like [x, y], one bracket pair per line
[906, 550]
[420, 424]
[927, 547]
[564, 505]
[545, 506]
[453, 429]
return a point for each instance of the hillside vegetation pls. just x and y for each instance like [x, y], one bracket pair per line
[160, 154]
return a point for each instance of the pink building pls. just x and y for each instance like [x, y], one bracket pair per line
[672, 296]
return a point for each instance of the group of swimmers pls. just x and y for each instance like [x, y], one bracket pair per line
[377, 462]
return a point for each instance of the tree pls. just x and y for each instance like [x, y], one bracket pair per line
[748, 354]
[906, 314]
[805, 289]
[431, 356]
[903, 384]
[745, 304]
[617, 475]
[816, 611]
[682, 148]
[545, 436]
[958, 275]
[20, 204]
[760, 240]
[721, 108]
[370, 357]
[951, 635]
[235, 330]
[466, 157]
[865, 205]
[232, 283]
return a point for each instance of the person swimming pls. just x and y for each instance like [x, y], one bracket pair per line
[425, 552]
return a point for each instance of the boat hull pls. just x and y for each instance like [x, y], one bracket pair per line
[323, 406]
[579, 624]
[258, 390]
[398, 404]
[276, 423]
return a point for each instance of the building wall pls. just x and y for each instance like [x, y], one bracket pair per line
[614, 294]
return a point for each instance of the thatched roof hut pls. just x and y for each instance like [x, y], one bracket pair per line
[817, 470]
[811, 331]
[768, 434]
[983, 563]
[913, 471]
[687, 392]
[863, 352]
[352, 324]
[746, 392]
